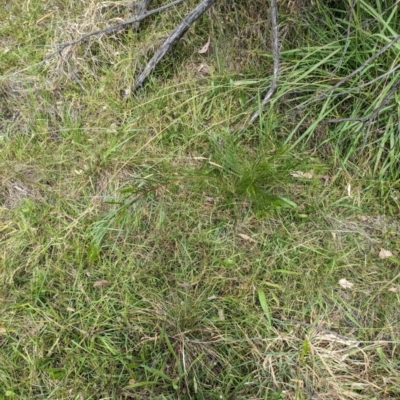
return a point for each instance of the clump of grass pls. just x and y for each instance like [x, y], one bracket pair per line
[233, 177]
[252, 177]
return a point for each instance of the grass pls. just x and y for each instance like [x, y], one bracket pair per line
[150, 249]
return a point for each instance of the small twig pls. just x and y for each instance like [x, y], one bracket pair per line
[326, 92]
[384, 101]
[374, 113]
[113, 28]
[369, 83]
[175, 35]
[275, 52]
[369, 118]
[77, 80]
[377, 111]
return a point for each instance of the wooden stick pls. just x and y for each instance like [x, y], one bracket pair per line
[326, 93]
[113, 28]
[275, 52]
[175, 35]
[141, 9]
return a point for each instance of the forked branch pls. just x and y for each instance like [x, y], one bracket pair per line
[175, 35]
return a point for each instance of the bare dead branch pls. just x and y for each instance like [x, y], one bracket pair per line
[275, 53]
[369, 83]
[369, 118]
[113, 28]
[374, 113]
[328, 91]
[141, 9]
[175, 35]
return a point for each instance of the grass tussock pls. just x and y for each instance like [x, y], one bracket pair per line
[151, 250]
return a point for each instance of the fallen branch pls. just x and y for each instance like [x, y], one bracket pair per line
[113, 28]
[275, 53]
[141, 9]
[175, 35]
[375, 112]
[326, 93]
[369, 118]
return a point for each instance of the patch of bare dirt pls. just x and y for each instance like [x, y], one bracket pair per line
[15, 188]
